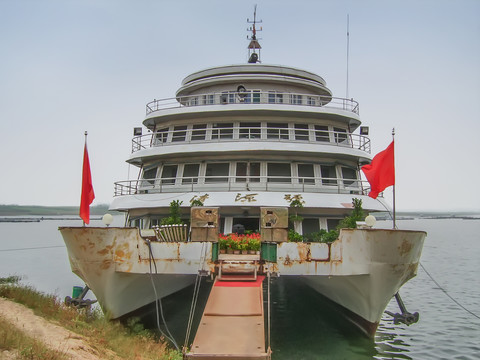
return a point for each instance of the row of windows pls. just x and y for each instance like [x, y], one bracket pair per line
[251, 130]
[241, 172]
[256, 97]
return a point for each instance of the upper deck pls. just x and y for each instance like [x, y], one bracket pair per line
[251, 90]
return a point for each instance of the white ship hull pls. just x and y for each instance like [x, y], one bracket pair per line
[360, 272]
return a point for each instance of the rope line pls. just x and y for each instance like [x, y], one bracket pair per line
[158, 301]
[446, 293]
[34, 248]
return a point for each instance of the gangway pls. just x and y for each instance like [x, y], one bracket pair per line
[232, 324]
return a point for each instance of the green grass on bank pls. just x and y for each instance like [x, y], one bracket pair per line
[131, 342]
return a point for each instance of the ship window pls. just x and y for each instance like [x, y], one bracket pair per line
[275, 98]
[296, 99]
[279, 172]
[199, 132]
[321, 133]
[161, 135]
[241, 171]
[179, 133]
[310, 226]
[329, 175]
[306, 174]
[222, 131]
[217, 172]
[299, 133]
[194, 101]
[149, 175]
[169, 173]
[340, 135]
[208, 99]
[250, 131]
[190, 173]
[332, 224]
[247, 172]
[277, 131]
[311, 100]
[349, 176]
[253, 96]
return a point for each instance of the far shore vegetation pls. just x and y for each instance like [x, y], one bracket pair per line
[35, 210]
[127, 342]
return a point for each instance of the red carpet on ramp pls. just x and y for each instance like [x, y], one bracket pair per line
[232, 283]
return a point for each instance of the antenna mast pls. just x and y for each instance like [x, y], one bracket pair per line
[348, 48]
[253, 57]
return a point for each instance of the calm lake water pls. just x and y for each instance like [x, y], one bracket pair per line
[303, 325]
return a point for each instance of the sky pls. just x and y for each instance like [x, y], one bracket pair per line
[70, 66]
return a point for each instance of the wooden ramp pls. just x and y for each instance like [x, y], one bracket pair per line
[232, 325]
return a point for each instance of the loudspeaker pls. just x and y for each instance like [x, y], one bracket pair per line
[204, 224]
[274, 224]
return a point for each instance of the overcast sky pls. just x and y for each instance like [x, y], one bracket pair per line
[68, 66]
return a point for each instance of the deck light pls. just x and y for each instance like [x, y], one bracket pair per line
[363, 130]
[370, 220]
[107, 219]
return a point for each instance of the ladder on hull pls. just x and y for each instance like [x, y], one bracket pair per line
[232, 324]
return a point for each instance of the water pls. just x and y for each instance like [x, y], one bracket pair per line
[303, 325]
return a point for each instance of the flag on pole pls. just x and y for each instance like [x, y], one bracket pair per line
[380, 172]
[87, 188]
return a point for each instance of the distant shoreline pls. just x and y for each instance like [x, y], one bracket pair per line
[34, 210]
[23, 212]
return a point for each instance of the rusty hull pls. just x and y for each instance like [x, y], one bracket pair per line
[361, 271]
[115, 264]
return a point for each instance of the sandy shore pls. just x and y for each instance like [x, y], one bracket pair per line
[55, 337]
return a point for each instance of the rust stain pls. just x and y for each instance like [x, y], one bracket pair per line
[405, 247]
[288, 262]
[106, 264]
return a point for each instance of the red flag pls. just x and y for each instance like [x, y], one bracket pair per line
[380, 172]
[87, 189]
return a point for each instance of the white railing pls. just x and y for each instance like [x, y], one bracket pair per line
[250, 134]
[254, 97]
[235, 183]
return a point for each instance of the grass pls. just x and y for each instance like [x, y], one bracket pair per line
[132, 342]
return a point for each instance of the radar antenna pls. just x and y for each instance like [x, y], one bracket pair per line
[254, 45]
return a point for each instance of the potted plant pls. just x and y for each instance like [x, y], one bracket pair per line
[222, 243]
[254, 245]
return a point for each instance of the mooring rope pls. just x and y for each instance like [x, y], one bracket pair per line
[446, 293]
[193, 305]
[268, 308]
[196, 290]
[158, 301]
[34, 248]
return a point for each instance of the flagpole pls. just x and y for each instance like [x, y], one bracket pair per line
[86, 134]
[394, 214]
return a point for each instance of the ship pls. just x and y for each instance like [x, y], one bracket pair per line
[249, 148]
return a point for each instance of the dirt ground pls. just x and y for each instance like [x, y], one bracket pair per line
[53, 336]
